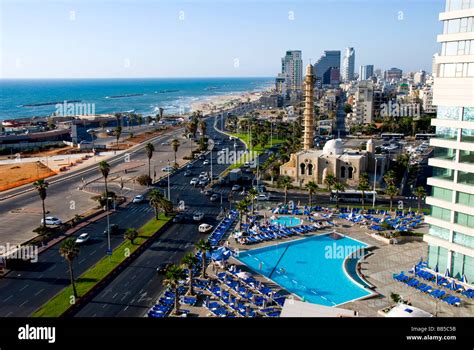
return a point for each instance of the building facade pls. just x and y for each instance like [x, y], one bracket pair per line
[366, 72]
[451, 221]
[393, 74]
[348, 64]
[292, 70]
[331, 60]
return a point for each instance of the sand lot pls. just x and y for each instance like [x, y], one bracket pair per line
[12, 175]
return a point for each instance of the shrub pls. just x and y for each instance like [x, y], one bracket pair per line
[143, 180]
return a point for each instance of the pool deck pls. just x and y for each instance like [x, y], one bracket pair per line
[378, 269]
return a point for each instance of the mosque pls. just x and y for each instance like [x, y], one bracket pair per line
[315, 165]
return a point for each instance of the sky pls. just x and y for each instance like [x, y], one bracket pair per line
[208, 38]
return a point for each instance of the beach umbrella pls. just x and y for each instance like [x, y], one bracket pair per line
[244, 275]
[464, 278]
[447, 274]
[436, 268]
[453, 285]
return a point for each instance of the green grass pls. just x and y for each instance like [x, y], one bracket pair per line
[62, 301]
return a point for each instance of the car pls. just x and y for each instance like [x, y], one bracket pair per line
[263, 197]
[202, 157]
[202, 175]
[198, 216]
[205, 228]
[206, 162]
[114, 229]
[138, 198]
[194, 181]
[189, 166]
[165, 143]
[214, 197]
[83, 238]
[167, 169]
[235, 188]
[187, 173]
[179, 218]
[162, 268]
[203, 182]
[208, 193]
[51, 220]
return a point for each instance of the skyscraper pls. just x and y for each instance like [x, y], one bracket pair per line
[451, 221]
[292, 68]
[308, 133]
[366, 72]
[348, 64]
[393, 74]
[322, 68]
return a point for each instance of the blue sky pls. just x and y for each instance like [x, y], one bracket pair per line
[201, 38]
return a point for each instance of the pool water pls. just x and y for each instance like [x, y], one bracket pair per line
[312, 268]
[287, 221]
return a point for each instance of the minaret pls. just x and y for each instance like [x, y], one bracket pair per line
[308, 133]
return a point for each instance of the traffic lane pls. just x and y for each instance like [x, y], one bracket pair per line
[137, 288]
[22, 292]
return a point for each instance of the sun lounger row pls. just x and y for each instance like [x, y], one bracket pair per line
[222, 228]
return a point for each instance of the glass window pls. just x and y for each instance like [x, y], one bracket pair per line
[468, 114]
[470, 70]
[442, 193]
[451, 48]
[443, 174]
[466, 156]
[465, 199]
[453, 5]
[451, 113]
[449, 70]
[462, 239]
[440, 213]
[469, 266]
[464, 219]
[444, 153]
[452, 26]
[437, 256]
[439, 232]
[465, 178]
[443, 132]
[467, 135]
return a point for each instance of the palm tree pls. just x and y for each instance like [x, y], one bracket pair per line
[329, 181]
[311, 187]
[420, 193]
[390, 177]
[338, 187]
[203, 246]
[252, 194]
[104, 168]
[175, 145]
[242, 207]
[285, 183]
[391, 191]
[159, 202]
[202, 127]
[190, 261]
[41, 187]
[363, 186]
[69, 250]
[174, 274]
[130, 234]
[149, 149]
[118, 132]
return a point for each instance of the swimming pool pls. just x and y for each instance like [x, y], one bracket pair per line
[312, 268]
[287, 221]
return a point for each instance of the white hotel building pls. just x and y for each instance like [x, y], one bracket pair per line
[451, 221]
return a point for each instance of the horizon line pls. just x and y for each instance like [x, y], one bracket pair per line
[98, 78]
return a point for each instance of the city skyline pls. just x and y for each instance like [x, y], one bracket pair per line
[183, 42]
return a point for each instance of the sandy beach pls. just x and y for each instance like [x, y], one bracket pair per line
[216, 103]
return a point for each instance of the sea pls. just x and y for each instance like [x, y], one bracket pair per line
[39, 97]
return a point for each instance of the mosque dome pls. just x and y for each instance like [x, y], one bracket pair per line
[333, 147]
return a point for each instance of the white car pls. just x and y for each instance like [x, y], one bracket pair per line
[235, 188]
[167, 169]
[198, 216]
[205, 228]
[51, 220]
[263, 197]
[194, 181]
[138, 199]
[206, 162]
[83, 238]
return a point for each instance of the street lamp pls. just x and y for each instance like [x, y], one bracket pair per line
[210, 143]
[169, 190]
[375, 182]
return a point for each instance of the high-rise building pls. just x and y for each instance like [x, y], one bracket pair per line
[322, 68]
[393, 74]
[348, 64]
[292, 69]
[362, 104]
[366, 72]
[419, 77]
[450, 236]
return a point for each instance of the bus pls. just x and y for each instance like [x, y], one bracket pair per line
[392, 136]
[352, 196]
[424, 136]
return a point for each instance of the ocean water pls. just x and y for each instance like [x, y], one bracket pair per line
[28, 98]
